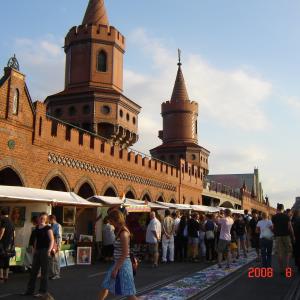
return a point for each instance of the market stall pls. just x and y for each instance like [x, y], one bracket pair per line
[137, 217]
[24, 203]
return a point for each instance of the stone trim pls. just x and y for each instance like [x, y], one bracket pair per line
[101, 170]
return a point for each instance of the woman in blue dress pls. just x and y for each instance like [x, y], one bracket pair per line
[119, 278]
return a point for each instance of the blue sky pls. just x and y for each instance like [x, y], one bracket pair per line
[241, 63]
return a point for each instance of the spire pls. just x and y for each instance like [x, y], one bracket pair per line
[95, 13]
[179, 91]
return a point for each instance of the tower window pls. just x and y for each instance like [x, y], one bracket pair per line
[196, 126]
[102, 61]
[105, 109]
[194, 157]
[58, 112]
[127, 117]
[86, 109]
[15, 109]
[121, 113]
[72, 111]
[133, 120]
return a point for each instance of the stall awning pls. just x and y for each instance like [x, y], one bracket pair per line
[24, 194]
[175, 206]
[203, 208]
[105, 200]
[131, 204]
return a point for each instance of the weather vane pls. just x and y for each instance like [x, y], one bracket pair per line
[13, 63]
[179, 57]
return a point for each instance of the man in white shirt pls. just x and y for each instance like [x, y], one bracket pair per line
[225, 237]
[153, 236]
[168, 230]
[265, 229]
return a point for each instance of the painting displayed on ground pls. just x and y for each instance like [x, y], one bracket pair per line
[62, 259]
[18, 216]
[69, 215]
[86, 238]
[70, 257]
[84, 255]
[192, 285]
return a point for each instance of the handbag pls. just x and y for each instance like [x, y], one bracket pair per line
[54, 249]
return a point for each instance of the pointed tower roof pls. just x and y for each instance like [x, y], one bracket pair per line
[95, 13]
[179, 92]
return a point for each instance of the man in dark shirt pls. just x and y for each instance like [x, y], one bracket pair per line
[193, 233]
[7, 232]
[283, 230]
[254, 235]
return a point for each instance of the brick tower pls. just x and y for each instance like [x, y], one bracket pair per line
[180, 129]
[93, 98]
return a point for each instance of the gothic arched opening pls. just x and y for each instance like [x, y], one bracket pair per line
[56, 184]
[130, 195]
[160, 199]
[86, 191]
[146, 197]
[84, 222]
[9, 177]
[110, 192]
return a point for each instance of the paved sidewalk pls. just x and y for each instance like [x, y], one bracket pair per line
[192, 285]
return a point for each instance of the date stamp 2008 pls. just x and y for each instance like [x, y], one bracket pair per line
[267, 273]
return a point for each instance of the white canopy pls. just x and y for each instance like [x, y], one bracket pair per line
[175, 206]
[110, 201]
[203, 208]
[105, 200]
[237, 211]
[21, 194]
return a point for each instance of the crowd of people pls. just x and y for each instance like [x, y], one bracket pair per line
[225, 237]
[220, 237]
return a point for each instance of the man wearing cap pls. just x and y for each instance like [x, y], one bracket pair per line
[283, 230]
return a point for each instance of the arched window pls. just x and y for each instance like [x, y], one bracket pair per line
[15, 109]
[102, 61]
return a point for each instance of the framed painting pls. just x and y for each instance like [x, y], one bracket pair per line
[18, 216]
[86, 238]
[69, 213]
[62, 259]
[84, 255]
[70, 257]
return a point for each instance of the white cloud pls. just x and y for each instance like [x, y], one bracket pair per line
[42, 60]
[240, 159]
[294, 102]
[232, 99]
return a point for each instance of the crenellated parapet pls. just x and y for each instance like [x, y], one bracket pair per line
[58, 134]
[184, 106]
[101, 33]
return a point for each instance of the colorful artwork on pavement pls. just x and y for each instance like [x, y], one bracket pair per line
[190, 286]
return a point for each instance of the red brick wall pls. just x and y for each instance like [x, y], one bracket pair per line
[124, 169]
